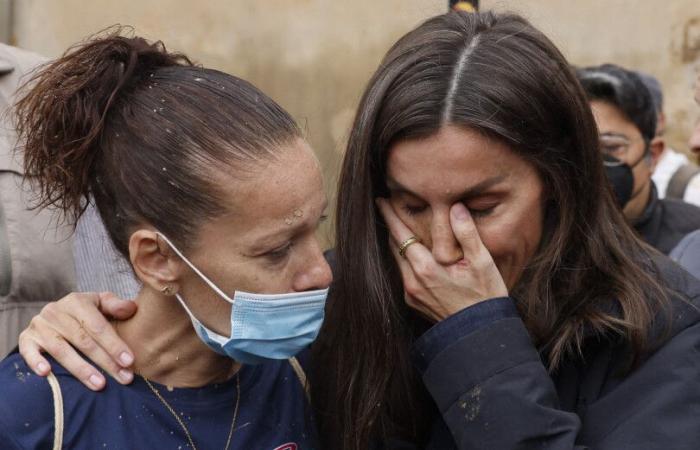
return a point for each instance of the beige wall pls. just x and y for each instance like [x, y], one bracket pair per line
[659, 37]
[314, 56]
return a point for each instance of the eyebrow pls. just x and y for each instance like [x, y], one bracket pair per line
[472, 191]
[613, 134]
[288, 230]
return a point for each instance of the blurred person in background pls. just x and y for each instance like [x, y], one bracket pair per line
[694, 141]
[489, 292]
[673, 174]
[468, 6]
[36, 260]
[32, 241]
[98, 265]
[626, 118]
[687, 250]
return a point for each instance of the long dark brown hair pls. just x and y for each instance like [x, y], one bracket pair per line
[497, 74]
[143, 132]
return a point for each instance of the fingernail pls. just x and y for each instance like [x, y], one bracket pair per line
[126, 359]
[95, 381]
[42, 367]
[459, 212]
[126, 376]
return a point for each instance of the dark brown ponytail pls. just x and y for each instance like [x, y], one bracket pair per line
[140, 130]
[62, 119]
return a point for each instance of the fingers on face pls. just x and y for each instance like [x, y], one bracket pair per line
[400, 233]
[402, 262]
[411, 285]
[462, 223]
[398, 230]
[466, 233]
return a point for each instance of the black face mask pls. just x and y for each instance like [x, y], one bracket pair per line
[622, 179]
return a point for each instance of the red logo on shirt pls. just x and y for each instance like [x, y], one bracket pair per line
[287, 446]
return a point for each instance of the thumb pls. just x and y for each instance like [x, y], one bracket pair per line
[115, 307]
[465, 231]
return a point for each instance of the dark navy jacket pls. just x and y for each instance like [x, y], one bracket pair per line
[493, 390]
[665, 222]
[687, 253]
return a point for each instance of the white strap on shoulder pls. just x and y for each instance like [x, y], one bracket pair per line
[301, 375]
[57, 411]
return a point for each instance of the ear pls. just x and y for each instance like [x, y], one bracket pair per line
[660, 123]
[656, 148]
[155, 265]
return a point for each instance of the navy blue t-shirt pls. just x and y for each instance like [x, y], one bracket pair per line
[273, 412]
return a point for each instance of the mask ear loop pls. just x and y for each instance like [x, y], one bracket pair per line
[215, 336]
[195, 269]
[221, 340]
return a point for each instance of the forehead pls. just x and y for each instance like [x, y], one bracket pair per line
[265, 197]
[610, 118]
[455, 158]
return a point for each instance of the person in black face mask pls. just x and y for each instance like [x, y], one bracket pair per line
[626, 117]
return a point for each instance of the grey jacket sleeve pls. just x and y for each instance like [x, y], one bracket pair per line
[98, 265]
[687, 253]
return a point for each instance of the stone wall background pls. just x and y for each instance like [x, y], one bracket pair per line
[315, 56]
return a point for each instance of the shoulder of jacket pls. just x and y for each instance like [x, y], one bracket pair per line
[683, 211]
[683, 292]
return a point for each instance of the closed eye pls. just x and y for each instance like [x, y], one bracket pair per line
[279, 254]
[413, 210]
[483, 212]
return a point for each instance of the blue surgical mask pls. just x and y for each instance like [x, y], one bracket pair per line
[263, 326]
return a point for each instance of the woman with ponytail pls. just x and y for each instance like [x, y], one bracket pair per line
[207, 188]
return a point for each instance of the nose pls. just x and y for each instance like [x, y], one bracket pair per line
[315, 272]
[694, 142]
[445, 247]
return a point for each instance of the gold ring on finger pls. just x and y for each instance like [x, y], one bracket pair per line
[407, 243]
